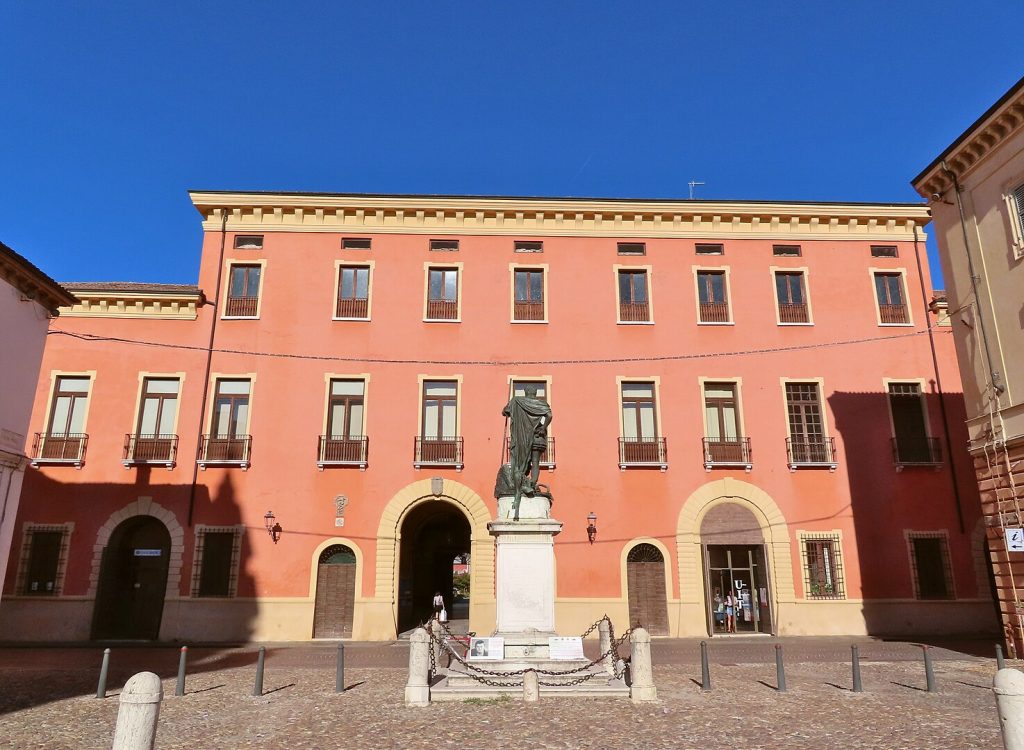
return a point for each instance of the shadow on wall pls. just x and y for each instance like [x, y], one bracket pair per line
[888, 504]
[154, 578]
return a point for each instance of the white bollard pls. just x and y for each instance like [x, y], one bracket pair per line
[641, 689]
[604, 630]
[1008, 686]
[417, 689]
[138, 712]
[531, 687]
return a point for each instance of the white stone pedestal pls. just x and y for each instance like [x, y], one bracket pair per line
[525, 582]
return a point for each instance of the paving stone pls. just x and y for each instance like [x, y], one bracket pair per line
[300, 709]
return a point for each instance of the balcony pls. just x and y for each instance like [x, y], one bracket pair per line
[68, 449]
[438, 452]
[722, 453]
[811, 452]
[634, 312]
[141, 450]
[241, 307]
[224, 450]
[528, 311]
[893, 314]
[358, 309]
[714, 312]
[793, 312]
[442, 309]
[547, 458]
[643, 452]
[922, 451]
[335, 451]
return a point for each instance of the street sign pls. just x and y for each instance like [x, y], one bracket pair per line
[1015, 540]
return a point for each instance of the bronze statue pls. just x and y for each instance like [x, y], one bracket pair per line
[530, 417]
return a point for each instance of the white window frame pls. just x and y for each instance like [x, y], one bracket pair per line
[230, 263]
[902, 273]
[649, 271]
[726, 271]
[775, 271]
[338, 266]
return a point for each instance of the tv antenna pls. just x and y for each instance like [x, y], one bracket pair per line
[693, 184]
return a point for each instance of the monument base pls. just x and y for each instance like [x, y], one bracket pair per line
[525, 577]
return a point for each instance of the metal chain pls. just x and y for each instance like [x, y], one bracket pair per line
[478, 673]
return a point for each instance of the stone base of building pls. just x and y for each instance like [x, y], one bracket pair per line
[239, 620]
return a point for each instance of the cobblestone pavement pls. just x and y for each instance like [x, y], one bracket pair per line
[300, 710]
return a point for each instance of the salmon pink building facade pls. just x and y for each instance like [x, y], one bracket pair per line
[758, 424]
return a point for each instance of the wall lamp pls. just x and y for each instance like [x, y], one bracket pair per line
[592, 526]
[273, 527]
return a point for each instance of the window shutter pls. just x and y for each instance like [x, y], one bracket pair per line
[1018, 199]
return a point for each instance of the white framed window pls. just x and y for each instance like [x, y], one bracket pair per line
[353, 284]
[243, 292]
[1015, 208]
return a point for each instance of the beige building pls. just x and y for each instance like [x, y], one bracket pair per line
[976, 192]
[28, 299]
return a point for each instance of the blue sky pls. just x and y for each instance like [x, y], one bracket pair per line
[110, 112]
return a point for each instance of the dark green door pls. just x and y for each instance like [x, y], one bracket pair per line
[133, 581]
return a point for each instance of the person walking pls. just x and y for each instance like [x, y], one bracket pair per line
[438, 605]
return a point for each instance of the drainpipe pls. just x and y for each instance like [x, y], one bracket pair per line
[938, 387]
[209, 360]
[992, 372]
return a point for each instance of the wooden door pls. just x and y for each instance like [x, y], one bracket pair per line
[335, 593]
[133, 581]
[645, 584]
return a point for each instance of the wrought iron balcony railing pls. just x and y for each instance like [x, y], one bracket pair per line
[893, 314]
[352, 308]
[225, 450]
[241, 307]
[432, 451]
[528, 311]
[547, 458]
[643, 451]
[442, 309]
[811, 452]
[68, 448]
[150, 449]
[335, 451]
[923, 451]
[634, 312]
[793, 312]
[727, 452]
[714, 312]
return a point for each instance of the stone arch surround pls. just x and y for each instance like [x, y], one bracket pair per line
[768, 516]
[389, 539]
[144, 506]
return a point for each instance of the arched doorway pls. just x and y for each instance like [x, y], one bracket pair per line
[735, 571]
[433, 535]
[645, 587]
[335, 592]
[133, 581]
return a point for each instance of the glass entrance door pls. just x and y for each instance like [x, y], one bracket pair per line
[737, 589]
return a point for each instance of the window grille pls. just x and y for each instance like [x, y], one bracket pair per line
[823, 566]
[930, 566]
[201, 585]
[645, 553]
[43, 577]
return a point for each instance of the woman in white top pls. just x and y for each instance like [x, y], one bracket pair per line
[438, 605]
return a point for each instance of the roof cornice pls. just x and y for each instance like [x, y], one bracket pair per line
[1004, 119]
[31, 282]
[157, 304]
[455, 215]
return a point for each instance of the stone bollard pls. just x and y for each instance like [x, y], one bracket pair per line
[1008, 686]
[641, 689]
[604, 630]
[417, 689]
[138, 712]
[435, 643]
[531, 687]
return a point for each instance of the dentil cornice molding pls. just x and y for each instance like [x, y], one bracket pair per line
[558, 217]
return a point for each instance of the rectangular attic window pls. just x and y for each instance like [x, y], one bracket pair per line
[249, 242]
[632, 248]
[784, 251]
[444, 246]
[355, 243]
[523, 246]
